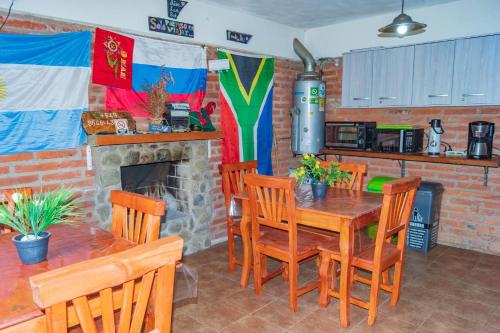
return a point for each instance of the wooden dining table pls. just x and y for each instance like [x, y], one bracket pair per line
[69, 244]
[343, 211]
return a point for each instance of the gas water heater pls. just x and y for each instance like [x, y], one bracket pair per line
[308, 112]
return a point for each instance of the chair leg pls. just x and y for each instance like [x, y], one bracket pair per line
[293, 275]
[374, 291]
[230, 248]
[285, 273]
[263, 265]
[324, 272]
[396, 286]
[385, 276]
[257, 274]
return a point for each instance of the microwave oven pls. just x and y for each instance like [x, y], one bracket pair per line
[350, 135]
[394, 140]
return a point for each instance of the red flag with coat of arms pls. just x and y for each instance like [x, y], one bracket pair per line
[113, 54]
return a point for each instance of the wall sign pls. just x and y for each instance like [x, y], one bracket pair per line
[175, 7]
[238, 37]
[171, 27]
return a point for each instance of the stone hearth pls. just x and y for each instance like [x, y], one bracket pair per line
[195, 187]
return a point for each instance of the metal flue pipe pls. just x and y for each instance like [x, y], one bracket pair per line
[307, 59]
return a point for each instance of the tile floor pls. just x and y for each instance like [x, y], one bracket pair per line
[448, 290]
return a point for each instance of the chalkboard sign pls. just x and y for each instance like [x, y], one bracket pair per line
[238, 37]
[171, 27]
[175, 7]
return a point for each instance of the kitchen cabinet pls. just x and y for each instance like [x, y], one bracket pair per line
[477, 71]
[357, 79]
[392, 76]
[433, 74]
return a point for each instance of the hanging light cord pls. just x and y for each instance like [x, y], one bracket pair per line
[402, 6]
[8, 14]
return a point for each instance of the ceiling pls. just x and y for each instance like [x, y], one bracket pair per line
[315, 13]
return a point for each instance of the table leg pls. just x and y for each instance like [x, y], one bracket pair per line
[247, 245]
[346, 241]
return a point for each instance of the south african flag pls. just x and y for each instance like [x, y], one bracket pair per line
[246, 96]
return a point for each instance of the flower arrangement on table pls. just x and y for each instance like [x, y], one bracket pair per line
[312, 172]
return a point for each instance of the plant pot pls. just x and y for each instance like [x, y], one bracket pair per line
[32, 251]
[319, 190]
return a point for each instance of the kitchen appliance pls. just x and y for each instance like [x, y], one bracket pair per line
[308, 112]
[480, 144]
[435, 137]
[177, 116]
[350, 135]
[404, 139]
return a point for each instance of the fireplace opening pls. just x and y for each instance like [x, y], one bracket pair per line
[161, 180]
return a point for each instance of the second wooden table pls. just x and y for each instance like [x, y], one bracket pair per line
[343, 211]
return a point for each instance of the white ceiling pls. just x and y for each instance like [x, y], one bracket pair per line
[315, 13]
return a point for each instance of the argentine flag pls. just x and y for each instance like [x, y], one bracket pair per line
[44, 82]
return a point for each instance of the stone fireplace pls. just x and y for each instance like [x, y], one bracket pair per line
[177, 172]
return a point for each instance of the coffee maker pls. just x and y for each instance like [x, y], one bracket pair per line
[480, 144]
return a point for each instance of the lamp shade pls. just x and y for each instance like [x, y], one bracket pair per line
[402, 25]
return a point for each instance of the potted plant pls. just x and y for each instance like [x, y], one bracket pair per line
[157, 98]
[30, 216]
[319, 177]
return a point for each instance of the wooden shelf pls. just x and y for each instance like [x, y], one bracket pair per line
[402, 158]
[493, 163]
[107, 140]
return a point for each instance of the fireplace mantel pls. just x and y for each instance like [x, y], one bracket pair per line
[108, 140]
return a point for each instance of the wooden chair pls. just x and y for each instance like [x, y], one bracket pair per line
[357, 171]
[272, 206]
[79, 294]
[232, 183]
[379, 257]
[136, 217]
[10, 198]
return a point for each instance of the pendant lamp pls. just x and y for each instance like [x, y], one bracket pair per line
[402, 26]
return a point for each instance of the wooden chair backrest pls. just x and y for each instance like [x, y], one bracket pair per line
[399, 197]
[78, 294]
[10, 198]
[232, 177]
[272, 203]
[357, 171]
[136, 217]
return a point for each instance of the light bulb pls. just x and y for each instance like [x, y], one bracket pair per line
[402, 29]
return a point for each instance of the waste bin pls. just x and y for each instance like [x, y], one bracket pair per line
[375, 186]
[424, 221]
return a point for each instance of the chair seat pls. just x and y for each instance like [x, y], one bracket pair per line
[364, 251]
[306, 242]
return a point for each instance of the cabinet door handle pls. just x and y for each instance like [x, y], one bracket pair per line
[391, 97]
[437, 95]
[473, 94]
[360, 98]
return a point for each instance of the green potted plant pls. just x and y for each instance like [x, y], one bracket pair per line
[319, 177]
[30, 216]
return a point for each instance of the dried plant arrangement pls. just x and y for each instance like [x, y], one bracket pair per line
[158, 95]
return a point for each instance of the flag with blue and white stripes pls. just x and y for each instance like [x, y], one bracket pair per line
[44, 81]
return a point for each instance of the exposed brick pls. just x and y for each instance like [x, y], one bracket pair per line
[49, 166]
[16, 157]
[18, 181]
[62, 175]
[56, 154]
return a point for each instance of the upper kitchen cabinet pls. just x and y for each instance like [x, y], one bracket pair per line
[433, 74]
[357, 79]
[477, 71]
[392, 76]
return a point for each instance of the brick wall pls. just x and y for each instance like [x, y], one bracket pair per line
[50, 169]
[470, 211]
